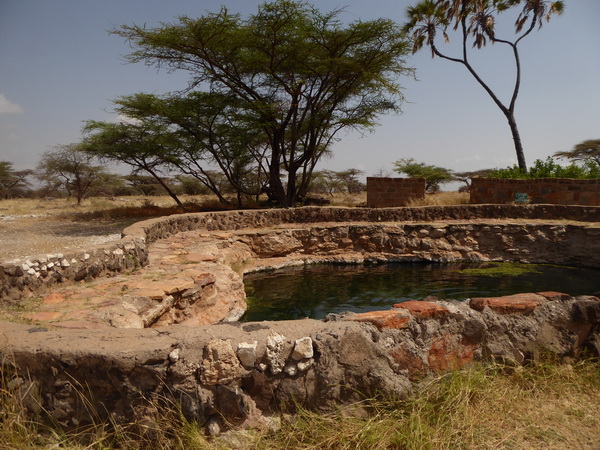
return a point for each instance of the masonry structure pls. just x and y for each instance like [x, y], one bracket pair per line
[560, 191]
[233, 374]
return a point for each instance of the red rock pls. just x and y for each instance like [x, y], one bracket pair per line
[383, 319]
[204, 279]
[509, 304]
[424, 310]
[450, 353]
[551, 295]
[406, 360]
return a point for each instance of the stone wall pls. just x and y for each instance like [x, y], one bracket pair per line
[547, 190]
[245, 374]
[26, 278]
[384, 192]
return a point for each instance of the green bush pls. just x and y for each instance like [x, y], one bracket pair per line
[550, 169]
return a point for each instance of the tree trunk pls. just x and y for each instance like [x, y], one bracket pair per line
[169, 191]
[517, 140]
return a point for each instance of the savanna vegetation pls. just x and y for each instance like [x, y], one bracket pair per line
[542, 405]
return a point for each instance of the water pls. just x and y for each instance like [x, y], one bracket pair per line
[316, 290]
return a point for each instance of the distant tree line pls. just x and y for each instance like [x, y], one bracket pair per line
[68, 172]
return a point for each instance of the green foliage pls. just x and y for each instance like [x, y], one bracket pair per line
[474, 21]
[280, 85]
[13, 182]
[502, 270]
[586, 151]
[434, 175]
[332, 182]
[549, 168]
[68, 167]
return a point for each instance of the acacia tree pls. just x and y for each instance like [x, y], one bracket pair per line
[145, 146]
[588, 150]
[298, 75]
[475, 23]
[13, 182]
[66, 166]
[213, 133]
[434, 175]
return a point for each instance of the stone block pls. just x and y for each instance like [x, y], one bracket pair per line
[424, 310]
[395, 319]
[509, 304]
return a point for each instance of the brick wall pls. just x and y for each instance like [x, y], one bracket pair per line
[390, 192]
[559, 191]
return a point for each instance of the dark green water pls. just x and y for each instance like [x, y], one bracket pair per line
[316, 290]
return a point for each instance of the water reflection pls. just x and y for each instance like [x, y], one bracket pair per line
[314, 291]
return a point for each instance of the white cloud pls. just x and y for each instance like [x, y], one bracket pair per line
[8, 107]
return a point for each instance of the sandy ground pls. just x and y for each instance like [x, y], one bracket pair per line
[23, 236]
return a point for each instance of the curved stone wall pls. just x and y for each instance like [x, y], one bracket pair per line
[245, 373]
[25, 278]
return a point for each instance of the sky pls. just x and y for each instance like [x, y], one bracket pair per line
[59, 67]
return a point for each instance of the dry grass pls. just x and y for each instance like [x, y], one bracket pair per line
[544, 405]
[442, 199]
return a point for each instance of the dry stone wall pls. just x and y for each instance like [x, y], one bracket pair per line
[244, 374]
[386, 192]
[562, 191]
[20, 279]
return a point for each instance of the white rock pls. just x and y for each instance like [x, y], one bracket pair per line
[246, 353]
[275, 349]
[303, 349]
[174, 356]
[25, 267]
[65, 263]
[73, 261]
[50, 265]
[304, 365]
[291, 369]
[118, 252]
[31, 271]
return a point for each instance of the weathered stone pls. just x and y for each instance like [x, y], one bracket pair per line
[554, 296]
[450, 352]
[220, 364]
[174, 356]
[303, 366]
[396, 319]
[424, 310]
[586, 309]
[303, 349]
[509, 304]
[276, 350]
[291, 368]
[246, 353]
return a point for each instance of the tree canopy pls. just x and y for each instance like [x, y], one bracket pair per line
[475, 23]
[588, 150]
[66, 166]
[434, 175]
[295, 75]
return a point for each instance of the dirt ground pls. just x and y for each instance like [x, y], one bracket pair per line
[22, 236]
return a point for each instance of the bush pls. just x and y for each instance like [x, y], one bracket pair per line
[550, 169]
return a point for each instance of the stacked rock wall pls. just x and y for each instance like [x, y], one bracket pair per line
[32, 277]
[385, 192]
[561, 191]
[242, 374]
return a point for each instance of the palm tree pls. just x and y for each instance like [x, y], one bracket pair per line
[475, 22]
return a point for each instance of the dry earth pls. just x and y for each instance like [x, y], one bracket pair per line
[31, 234]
